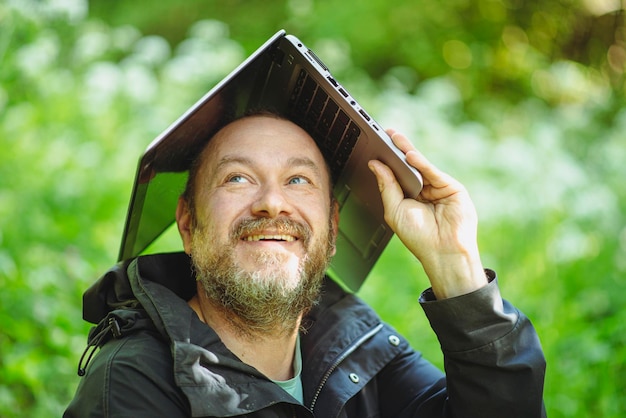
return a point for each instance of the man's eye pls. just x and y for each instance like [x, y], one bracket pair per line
[237, 179]
[298, 180]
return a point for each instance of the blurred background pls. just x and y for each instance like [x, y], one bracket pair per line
[523, 101]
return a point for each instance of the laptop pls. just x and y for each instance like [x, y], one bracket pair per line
[286, 77]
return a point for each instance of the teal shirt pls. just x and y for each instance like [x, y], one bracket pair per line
[293, 386]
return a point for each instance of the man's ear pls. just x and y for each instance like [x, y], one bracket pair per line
[334, 222]
[183, 221]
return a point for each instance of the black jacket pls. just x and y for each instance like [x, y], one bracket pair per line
[158, 359]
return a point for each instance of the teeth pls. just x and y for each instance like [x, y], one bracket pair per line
[288, 238]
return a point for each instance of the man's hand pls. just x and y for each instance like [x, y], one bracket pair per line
[439, 227]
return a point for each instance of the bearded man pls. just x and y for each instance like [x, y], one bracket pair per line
[245, 322]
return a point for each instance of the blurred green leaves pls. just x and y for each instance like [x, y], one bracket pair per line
[522, 101]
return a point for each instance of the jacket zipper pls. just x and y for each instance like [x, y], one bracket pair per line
[349, 350]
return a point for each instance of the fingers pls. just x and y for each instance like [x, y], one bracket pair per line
[430, 173]
[400, 140]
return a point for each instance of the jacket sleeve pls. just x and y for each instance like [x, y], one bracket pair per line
[129, 377]
[494, 364]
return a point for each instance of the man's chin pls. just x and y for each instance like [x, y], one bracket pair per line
[269, 264]
[286, 278]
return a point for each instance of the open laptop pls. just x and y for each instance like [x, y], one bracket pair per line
[286, 77]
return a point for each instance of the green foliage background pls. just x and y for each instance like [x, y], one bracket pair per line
[521, 100]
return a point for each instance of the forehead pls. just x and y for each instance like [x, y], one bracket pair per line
[263, 138]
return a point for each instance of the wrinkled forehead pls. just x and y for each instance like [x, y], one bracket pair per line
[262, 136]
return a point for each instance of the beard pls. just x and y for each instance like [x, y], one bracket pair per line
[270, 299]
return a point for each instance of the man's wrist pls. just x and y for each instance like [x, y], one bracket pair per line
[457, 278]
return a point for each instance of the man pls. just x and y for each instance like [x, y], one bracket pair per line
[237, 327]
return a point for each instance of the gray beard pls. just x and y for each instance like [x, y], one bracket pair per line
[263, 302]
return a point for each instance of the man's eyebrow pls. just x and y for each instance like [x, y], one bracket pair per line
[292, 162]
[305, 162]
[233, 159]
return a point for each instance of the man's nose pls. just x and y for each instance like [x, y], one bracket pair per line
[271, 201]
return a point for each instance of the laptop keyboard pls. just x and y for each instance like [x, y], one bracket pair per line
[320, 116]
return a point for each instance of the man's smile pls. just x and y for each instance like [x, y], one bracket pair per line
[272, 237]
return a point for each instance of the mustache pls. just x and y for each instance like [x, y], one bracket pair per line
[282, 225]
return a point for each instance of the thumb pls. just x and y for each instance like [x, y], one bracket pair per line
[390, 190]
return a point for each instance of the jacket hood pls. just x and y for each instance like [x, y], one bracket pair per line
[114, 291]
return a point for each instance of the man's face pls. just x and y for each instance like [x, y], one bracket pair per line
[264, 225]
